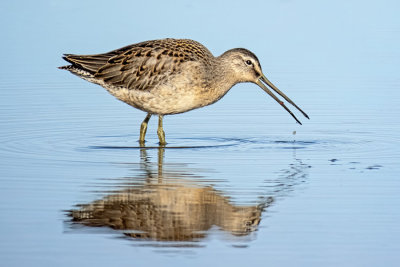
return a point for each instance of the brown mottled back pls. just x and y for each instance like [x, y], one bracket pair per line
[143, 65]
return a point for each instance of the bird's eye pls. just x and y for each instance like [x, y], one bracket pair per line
[248, 62]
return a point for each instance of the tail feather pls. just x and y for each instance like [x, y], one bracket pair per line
[67, 67]
[87, 63]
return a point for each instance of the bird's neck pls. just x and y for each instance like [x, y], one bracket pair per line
[222, 76]
[219, 80]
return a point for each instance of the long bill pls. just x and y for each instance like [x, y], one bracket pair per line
[260, 82]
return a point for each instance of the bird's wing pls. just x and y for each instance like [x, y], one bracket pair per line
[142, 66]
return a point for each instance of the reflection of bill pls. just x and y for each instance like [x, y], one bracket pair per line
[167, 208]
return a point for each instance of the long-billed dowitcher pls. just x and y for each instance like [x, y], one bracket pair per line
[170, 76]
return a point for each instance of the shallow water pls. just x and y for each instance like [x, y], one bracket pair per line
[239, 182]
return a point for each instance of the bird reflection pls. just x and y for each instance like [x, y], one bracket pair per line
[169, 205]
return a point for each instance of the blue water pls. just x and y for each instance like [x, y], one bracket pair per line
[239, 182]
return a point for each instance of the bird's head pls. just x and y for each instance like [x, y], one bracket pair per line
[245, 67]
[243, 64]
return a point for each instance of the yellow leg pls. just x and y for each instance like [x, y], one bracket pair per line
[143, 129]
[160, 131]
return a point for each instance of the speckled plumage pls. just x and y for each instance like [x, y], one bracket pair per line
[169, 76]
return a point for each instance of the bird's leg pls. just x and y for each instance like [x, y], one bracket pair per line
[160, 131]
[160, 164]
[143, 129]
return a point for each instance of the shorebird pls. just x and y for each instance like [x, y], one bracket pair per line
[171, 76]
